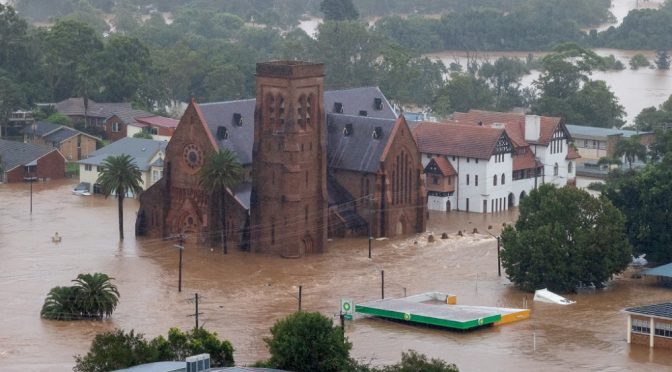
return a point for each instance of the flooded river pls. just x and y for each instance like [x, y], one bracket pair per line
[244, 294]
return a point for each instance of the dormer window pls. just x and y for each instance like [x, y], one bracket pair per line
[377, 132]
[237, 120]
[338, 107]
[378, 104]
[347, 130]
[222, 133]
[363, 113]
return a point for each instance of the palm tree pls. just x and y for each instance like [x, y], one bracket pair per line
[60, 304]
[632, 149]
[96, 296]
[221, 171]
[120, 175]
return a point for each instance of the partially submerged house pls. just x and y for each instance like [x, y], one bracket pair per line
[25, 161]
[147, 154]
[73, 144]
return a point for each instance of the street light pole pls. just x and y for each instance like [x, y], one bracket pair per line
[499, 262]
[181, 248]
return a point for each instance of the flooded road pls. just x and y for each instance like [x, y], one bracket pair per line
[244, 294]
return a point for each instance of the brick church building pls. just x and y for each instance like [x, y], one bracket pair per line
[317, 164]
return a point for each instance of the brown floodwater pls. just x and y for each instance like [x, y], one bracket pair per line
[243, 294]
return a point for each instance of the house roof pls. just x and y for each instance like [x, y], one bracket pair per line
[61, 134]
[524, 161]
[457, 139]
[663, 310]
[140, 149]
[665, 270]
[129, 115]
[53, 132]
[159, 121]
[15, 154]
[40, 128]
[580, 131]
[443, 165]
[241, 137]
[356, 149]
[514, 123]
[75, 107]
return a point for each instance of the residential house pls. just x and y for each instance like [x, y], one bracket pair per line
[650, 325]
[148, 155]
[496, 159]
[25, 160]
[73, 144]
[316, 164]
[128, 123]
[594, 143]
[88, 112]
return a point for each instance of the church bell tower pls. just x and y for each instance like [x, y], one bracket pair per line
[289, 171]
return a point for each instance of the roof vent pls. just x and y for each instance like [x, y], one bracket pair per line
[347, 130]
[378, 104]
[237, 120]
[377, 132]
[338, 107]
[198, 363]
[222, 133]
[363, 113]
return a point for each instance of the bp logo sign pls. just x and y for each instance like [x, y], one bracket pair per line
[480, 321]
[407, 316]
[347, 308]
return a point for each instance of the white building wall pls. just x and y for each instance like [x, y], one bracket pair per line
[131, 130]
[524, 185]
[475, 194]
[549, 160]
[92, 176]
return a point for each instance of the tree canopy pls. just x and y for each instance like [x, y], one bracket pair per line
[564, 238]
[339, 10]
[92, 297]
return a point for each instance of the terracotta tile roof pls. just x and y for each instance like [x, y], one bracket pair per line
[457, 139]
[445, 167]
[572, 154]
[514, 123]
[524, 161]
[159, 121]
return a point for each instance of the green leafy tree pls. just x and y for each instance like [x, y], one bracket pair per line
[127, 62]
[631, 149]
[61, 304]
[143, 135]
[59, 118]
[639, 60]
[96, 296]
[220, 172]
[564, 238]
[645, 198]
[464, 92]
[349, 51]
[596, 105]
[306, 341]
[339, 10]
[663, 60]
[114, 350]
[413, 361]
[181, 345]
[651, 118]
[504, 76]
[120, 175]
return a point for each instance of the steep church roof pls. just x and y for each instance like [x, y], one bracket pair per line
[357, 143]
[238, 116]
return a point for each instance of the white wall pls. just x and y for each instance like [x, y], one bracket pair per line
[549, 160]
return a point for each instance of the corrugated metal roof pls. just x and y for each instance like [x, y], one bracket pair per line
[580, 131]
[665, 270]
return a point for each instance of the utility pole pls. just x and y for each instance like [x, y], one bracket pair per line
[300, 293]
[196, 313]
[369, 223]
[382, 284]
[181, 249]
